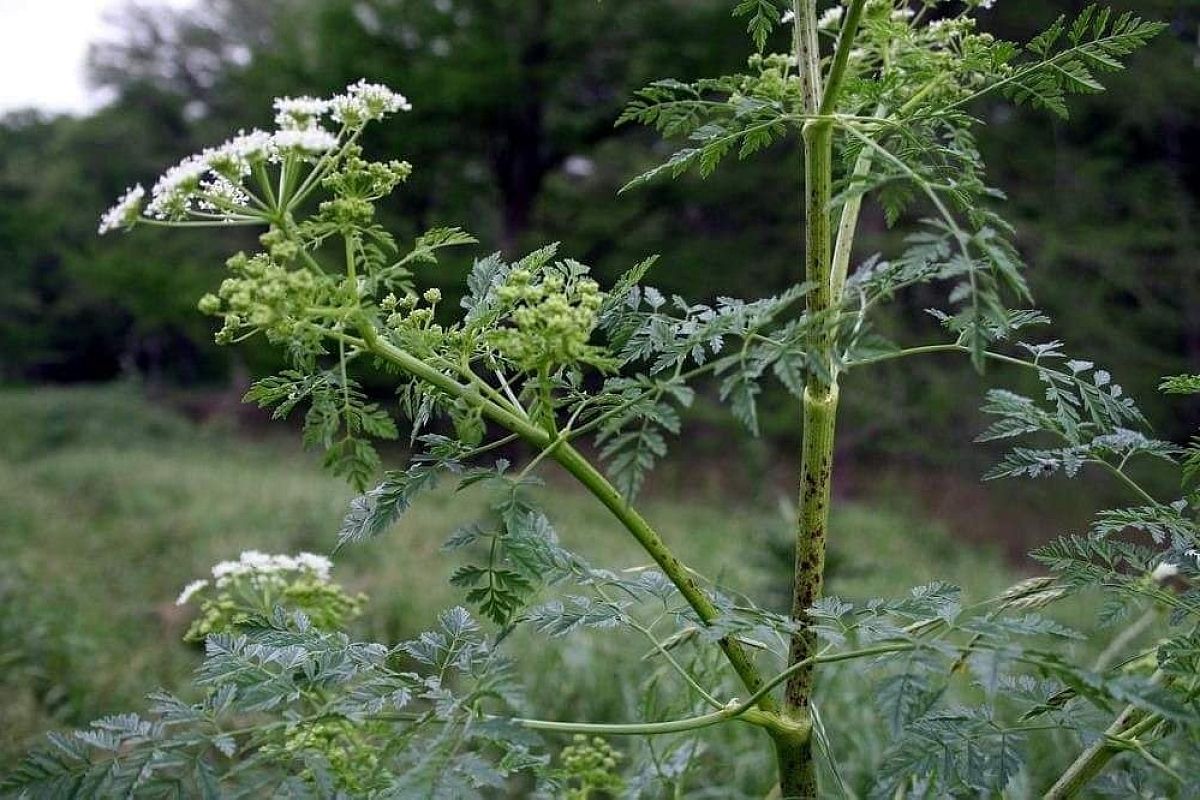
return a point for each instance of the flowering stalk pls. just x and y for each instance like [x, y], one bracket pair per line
[211, 188]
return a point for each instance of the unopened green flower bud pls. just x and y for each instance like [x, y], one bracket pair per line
[209, 304]
[285, 250]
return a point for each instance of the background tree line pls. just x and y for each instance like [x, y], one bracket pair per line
[512, 136]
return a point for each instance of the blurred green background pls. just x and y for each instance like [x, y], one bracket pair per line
[127, 466]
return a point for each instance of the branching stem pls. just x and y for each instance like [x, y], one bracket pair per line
[583, 471]
[1096, 757]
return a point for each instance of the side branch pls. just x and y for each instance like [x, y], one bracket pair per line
[1092, 761]
[573, 462]
[841, 56]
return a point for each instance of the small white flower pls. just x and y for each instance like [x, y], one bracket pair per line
[318, 565]
[234, 158]
[307, 140]
[283, 564]
[831, 17]
[903, 13]
[950, 28]
[1163, 571]
[364, 102]
[257, 560]
[125, 212]
[189, 591]
[225, 571]
[987, 4]
[256, 565]
[293, 113]
[222, 196]
[173, 191]
[788, 17]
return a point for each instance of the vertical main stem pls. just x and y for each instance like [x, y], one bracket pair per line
[816, 469]
[798, 777]
[794, 754]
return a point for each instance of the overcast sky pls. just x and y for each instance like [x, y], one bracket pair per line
[43, 45]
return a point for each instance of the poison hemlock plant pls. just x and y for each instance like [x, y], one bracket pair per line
[879, 95]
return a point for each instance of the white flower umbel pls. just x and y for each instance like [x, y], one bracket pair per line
[312, 140]
[125, 212]
[1164, 571]
[222, 196]
[256, 565]
[173, 192]
[297, 113]
[221, 184]
[831, 18]
[364, 102]
[318, 565]
[189, 591]
[234, 159]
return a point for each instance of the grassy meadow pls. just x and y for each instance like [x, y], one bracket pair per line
[109, 504]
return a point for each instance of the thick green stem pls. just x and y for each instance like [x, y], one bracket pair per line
[583, 471]
[1094, 759]
[808, 55]
[816, 468]
[571, 460]
[1091, 762]
[794, 755]
[797, 765]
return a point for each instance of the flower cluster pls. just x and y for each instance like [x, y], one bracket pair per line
[552, 321]
[355, 184]
[343, 748]
[257, 564]
[262, 295]
[124, 212]
[364, 102]
[943, 61]
[299, 113]
[831, 18]
[312, 141]
[769, 79]
[252, 586]
[406, 314]
[590, 765]
[212, 185]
